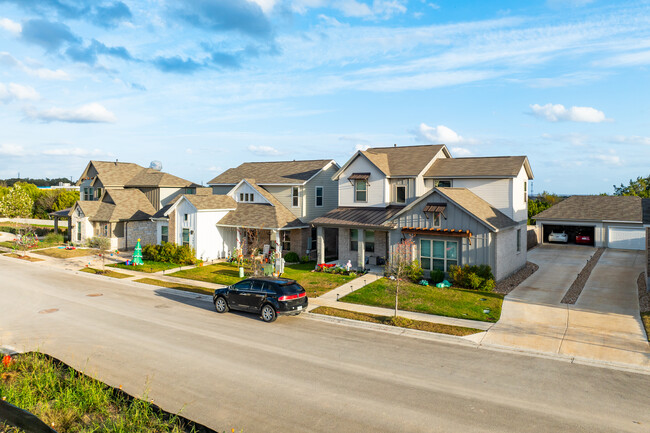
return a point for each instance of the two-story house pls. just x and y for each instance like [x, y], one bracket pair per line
[458, 210]
[118, 199]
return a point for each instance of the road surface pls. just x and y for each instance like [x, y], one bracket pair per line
[298, 374]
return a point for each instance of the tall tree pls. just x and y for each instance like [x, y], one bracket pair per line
[639, 187]
[16, 203]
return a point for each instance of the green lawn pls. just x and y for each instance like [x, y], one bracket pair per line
[315, 283]
[62, 253]
[401, 321]
[177, 286]
[108, 273]
[149, 266]
[451, 302]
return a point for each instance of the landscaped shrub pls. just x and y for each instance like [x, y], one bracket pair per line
[166, 252]
[437, 276]
[473, 277]
[169, 253]
[184, 255]
[291, 257]
[304, 259]
[150, 252]
[415, 271]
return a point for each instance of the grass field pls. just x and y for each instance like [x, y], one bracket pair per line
[61, 253]
[108, 273]
[177, 286]
[451, 302]
[315, 283]
[401, 322]
[72, 402]
[148, 267]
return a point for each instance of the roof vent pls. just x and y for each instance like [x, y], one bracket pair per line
[156, 165]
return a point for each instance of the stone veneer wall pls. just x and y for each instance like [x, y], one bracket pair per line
[143, 230]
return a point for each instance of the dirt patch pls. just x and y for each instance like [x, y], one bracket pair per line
[507, 285]
[644, 295]
[574, 291]
[21, 257]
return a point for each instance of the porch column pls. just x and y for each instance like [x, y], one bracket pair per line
[238, 238]
[69, 229]
[320, 245]
[275, 235]
[361, 249]
[56, 224]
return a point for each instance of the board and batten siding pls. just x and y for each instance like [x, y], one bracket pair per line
[377, 185]
[185, 207]
[410, 184]
[330, 194]
[153, 195]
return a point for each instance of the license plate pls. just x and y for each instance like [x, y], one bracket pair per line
[299, 307]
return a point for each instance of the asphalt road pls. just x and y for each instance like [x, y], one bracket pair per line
[297, 374]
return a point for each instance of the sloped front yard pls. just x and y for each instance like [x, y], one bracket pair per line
[315, 283]
[450, 302]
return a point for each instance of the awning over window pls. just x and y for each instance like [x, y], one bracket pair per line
[359, 176]
[435, 207]
[437, 232]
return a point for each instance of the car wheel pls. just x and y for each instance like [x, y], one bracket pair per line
[221, 305]
[268, 313]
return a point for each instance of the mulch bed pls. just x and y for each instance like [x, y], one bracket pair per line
[507, 285]
[644, 295]
[574, 291]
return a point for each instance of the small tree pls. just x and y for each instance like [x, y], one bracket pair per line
[399, 264]
[25, 239]
[254, 248]
[103, 245]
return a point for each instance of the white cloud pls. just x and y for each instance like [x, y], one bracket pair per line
[461, 151]
[44, 73]
[567, 3]
[89, 113]
[559, 113]
[17, 91]
[609, 159]
[630, 139]
[438, 134]
[265, 5]
[74, 151]
[264, 150]
[379, 9]
[10, 149]
[10, 26]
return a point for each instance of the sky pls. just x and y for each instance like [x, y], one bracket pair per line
[204, 85]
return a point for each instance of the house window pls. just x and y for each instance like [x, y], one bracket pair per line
[98, 193]
[105, 230]
[436, 219]
[442, 183]
[79, 232]
[286, 240]
[319, 196]
[246, 197]
[295, 196]
[360, 190]
[185, 217]
[252, 197]
[241, 196]
[186, 237]
[369, 239]
[354, 239]
[525, 191]
[190, 190]
[439, 255]
[164, 234]
[518, 240]
[400, 194]
[88, 194]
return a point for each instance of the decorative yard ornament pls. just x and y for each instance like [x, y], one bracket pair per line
[137, 254]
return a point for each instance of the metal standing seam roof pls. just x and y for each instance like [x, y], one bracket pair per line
[273, 172]
[493, 166]
[365, 217]
[595, 208]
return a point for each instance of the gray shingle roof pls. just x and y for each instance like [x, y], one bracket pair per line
[364, 217]
[506, 166]
[280, 172]
[596, 208]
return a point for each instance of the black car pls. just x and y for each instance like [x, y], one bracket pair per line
[267, 296]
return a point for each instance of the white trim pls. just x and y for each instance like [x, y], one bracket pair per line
[175, 205]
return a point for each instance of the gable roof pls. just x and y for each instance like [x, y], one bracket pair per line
[210, 202]
[596, 208]
[120, 174]
[273, 215]
[123, 205]
[493, 166]
[398, 161]
[149, 177]
[275, 172]
[474, 205]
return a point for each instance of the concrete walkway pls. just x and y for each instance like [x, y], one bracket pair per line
[603, 325]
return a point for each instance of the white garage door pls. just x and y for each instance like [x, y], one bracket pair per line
[626, 238]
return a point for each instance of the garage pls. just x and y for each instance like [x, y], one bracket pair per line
[586, 233]
[594, 220]
[627, 238]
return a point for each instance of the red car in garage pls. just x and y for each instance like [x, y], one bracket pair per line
[583, 239]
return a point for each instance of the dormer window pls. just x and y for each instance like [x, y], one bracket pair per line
[360, 190]
[400, 194]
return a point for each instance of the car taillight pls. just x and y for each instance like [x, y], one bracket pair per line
[290, 297]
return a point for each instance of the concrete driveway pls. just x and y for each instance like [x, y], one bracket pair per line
[604, 324]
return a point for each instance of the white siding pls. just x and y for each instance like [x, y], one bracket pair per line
[185, 207]
[423, 185]
[168, 194]
[330, 193]
[497, 192]
[519, 198]
[245, 188]
[377, 185]
[210, 242]
[283, 195]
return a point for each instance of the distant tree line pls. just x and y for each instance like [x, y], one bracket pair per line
[639, 187]
[26, 200]
[36, 182]
[540, 203]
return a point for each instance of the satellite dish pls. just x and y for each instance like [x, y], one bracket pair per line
[156, 165]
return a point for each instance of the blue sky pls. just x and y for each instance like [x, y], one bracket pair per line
[203, 85]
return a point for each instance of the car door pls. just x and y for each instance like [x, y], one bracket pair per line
[238, 294]
[258, 295]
